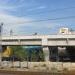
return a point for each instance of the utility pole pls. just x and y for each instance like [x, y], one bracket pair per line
[11, 32]
[1, 25]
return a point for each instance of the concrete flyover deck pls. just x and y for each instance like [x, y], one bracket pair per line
[46, 40]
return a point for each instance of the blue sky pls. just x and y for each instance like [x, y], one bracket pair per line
[15, 13]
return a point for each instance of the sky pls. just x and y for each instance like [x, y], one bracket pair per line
[20, 16]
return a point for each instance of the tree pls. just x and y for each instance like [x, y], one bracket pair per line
[37, 54]
[20, 52]
[34, 54]
[41, 55]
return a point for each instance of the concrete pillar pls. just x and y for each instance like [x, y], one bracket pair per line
[0, 53]
[46, 53]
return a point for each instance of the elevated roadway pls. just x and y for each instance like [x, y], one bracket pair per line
[46, 40]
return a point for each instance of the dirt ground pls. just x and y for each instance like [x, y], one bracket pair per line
[4, 72]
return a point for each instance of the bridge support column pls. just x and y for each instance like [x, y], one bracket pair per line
[46, 53]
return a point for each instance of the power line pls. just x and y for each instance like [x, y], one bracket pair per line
[43, 20]
[54, 10]
[68, 17]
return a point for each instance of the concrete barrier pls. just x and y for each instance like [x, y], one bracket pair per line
[72, 67]
[48, 66]
[66, 66]
[16, 64]
[5, 64]
[33, 64]
[24, 64]
[10, 64]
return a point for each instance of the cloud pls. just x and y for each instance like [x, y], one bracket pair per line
[42, 7]
[36, 8]
[4, 1]
[12, 22]
[8, 5]
[17, 24]
[11, 19]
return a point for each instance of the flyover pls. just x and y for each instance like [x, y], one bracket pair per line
[46, 41]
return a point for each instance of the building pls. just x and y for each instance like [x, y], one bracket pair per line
[66, 31]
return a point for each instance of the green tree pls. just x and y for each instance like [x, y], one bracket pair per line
[20, 52]
[33, 55]
[41, 55]
[37, 55]
[24, 54]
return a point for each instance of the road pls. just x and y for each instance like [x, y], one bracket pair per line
[33, 73]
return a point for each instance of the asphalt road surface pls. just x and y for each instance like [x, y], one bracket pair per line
[23, 73]
[33, 73]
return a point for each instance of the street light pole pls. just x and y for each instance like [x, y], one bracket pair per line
[1, 25]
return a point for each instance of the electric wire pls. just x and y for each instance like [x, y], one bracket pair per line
[54, 10]
[52, 19]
